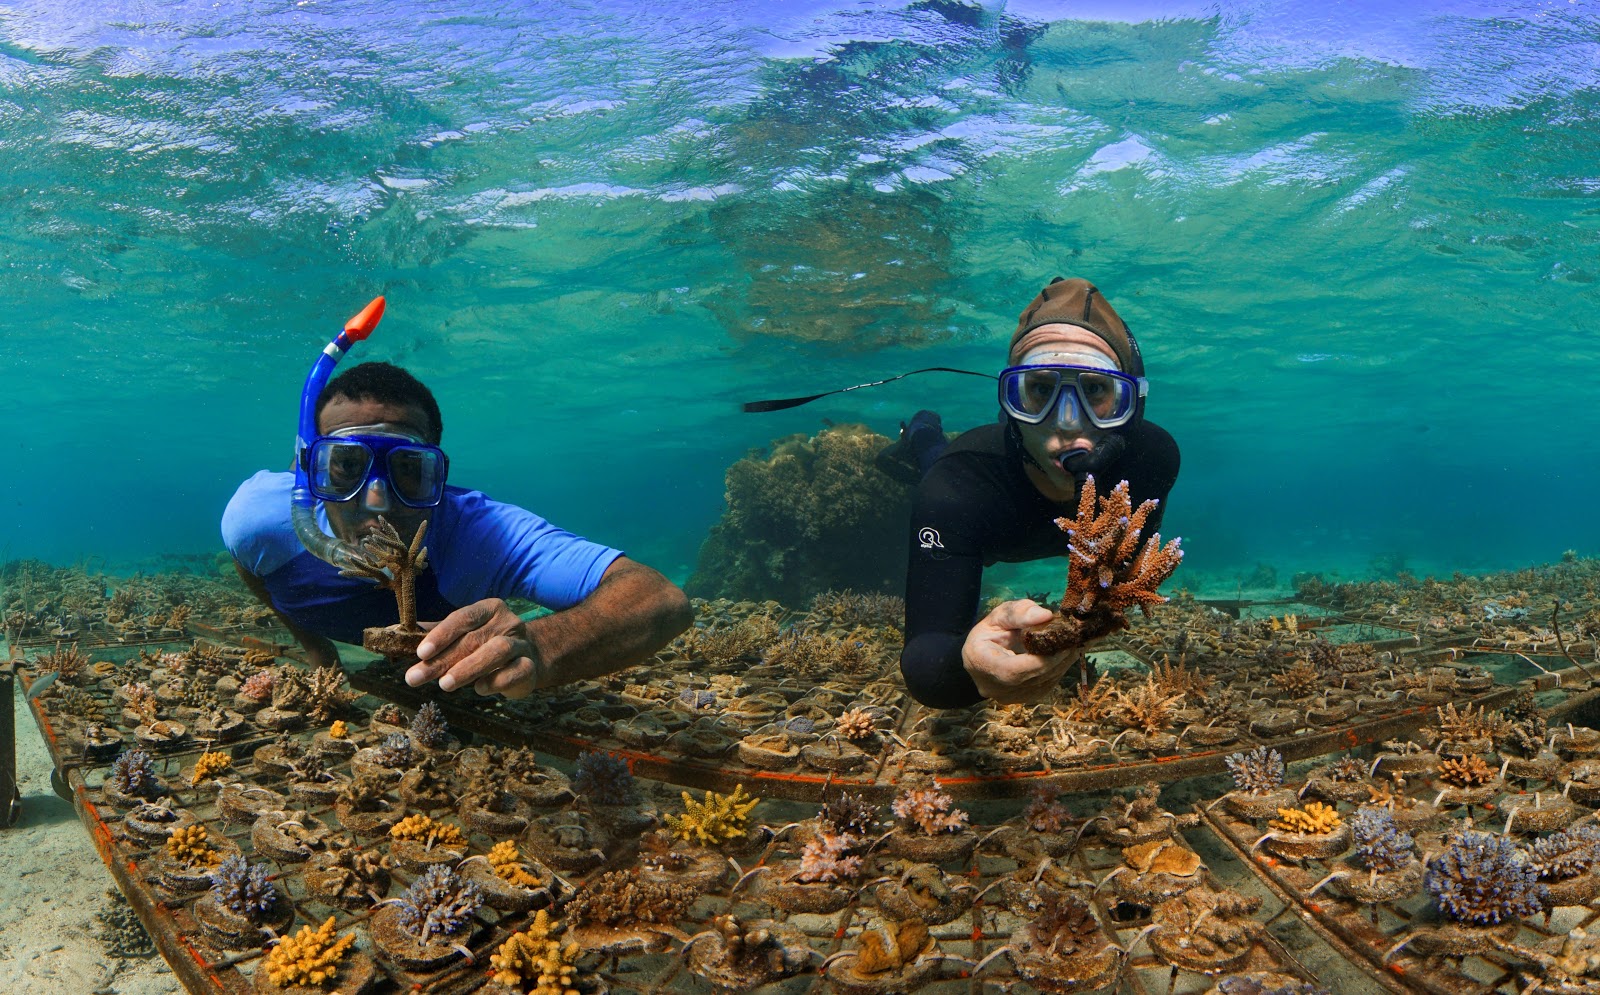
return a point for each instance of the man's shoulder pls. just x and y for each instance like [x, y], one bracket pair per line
[256, 527]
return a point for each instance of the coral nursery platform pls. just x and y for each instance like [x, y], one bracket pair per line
[839, 837]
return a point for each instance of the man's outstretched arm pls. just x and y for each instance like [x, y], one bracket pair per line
[632, 613]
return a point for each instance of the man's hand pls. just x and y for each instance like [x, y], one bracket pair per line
[485, 645]
[998, 663]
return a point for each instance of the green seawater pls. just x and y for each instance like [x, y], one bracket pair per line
[1357, 242]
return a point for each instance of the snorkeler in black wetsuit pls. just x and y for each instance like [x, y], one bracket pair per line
[1073, 401]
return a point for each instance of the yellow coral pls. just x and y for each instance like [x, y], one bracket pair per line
[210, 765]
[716, 820]
[422, 829]
[1316, 818]
[507, 863]
[188, 845]
[339, 730]
[532, 955]
[309, 958]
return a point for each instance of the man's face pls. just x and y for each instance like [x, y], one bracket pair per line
[359, 516]
[1047, 441]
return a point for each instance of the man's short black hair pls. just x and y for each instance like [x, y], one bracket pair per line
[387, 384]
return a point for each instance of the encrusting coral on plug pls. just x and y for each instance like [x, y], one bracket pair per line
[718, 819]
[1109, 570]
[310, 958]
[510, 866]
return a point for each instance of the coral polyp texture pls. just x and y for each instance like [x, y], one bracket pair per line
[929, 811]
[438, 904]
[618, 897]
[1482, 879]
[1380, 844]
[243, 889]
[189, 845]
[1257, 772]
[1565, 855]
[717, 819]
[310, 958]
[856, 724]
[1315, 819]
[1109, 570]
[603, 778]
[429, 729]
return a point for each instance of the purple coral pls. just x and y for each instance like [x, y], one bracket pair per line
[698, 700]
[396, 751]
[242, 888]
[1482, 879]
[1380, 844]
[428, 727]
[1565, 855]
[1258, 772]
[134, 773]
[438, 903]
[603, 778]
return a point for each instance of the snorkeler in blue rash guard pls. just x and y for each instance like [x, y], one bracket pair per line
[376, 452]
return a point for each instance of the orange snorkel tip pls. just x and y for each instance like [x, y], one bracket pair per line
[365, 321]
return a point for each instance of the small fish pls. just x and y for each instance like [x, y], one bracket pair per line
[42, 685]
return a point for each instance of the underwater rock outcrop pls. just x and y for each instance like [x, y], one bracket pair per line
[807, 515]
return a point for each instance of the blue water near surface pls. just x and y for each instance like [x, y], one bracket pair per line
[1357, 241]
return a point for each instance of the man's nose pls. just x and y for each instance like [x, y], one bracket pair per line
[1069, 414]
[375, 496]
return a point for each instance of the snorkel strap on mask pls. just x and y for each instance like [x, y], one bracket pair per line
[302, 510]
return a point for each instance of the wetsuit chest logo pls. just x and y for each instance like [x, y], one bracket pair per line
[928, 538]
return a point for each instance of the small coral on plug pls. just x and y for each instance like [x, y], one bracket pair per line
[258, 686]
[850, 814]
[243, 889]
[428, 728]
[209, 765]
[1482, 879]
[509, 866]
[1045, 813]
[339, 730]
[824, 859]
[1467, 772]
[438, 903]
[856, 725]
[310, 958]
[532, 962]
[134, 773]
[396, 751]
[1257, 772]
[1380, 844]
[929, 810]
[618, 897]
[326, 694]
[189, 845]
[1109, 571]
[428, 832]
[603, 778]
[718, 819]
[1315, 819]
[1565, 855]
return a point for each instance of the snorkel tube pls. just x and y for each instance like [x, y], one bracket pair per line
[303, 504]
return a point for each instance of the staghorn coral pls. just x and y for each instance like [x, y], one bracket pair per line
[1179, 678]
[1466, 772]
[290, 691]
[326, 696]
[856, 725]
[438, 903]
[603, 778]
[823, 859]
[738, 642]
[1109, 571]
[508, 865]
[1470, 724]
[310, 958]
[1145, 707]
[817, 655]
[139, 699]
[850, 814]
[1565, 855]
[394, 565]
[849, 609]
[1380, 845]
[189, 846]
[717, 819]
[807, 515]
[243, 889]
[1257, 772]
[209, 765]
[619, 897]
[929, 811]
[429, 729]
[422, 829]
[134, 773]
[1315, 819]
[70, 662]
[1092, 703]
[1482, 879]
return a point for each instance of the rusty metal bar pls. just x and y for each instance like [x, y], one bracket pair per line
[10, 793]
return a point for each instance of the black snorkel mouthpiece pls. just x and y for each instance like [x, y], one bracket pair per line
[1080, 462]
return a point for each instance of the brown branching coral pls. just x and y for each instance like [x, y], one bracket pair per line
[618, 897]
[395, 566]
[1299, 680]
[1108, 572]
[1466, 772]
[1146, 707]
[326, 695]
[1179, 678]
[1470, 724]
[1064, 924]
[1092, 703]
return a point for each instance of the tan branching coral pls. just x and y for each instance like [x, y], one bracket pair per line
[533, 962]
[326, 694]
[190, 846]
[1180, 678]
[209, 765]
[1466, 772]
[509, 865]
[1315, 819]
[929, 810]
[717, 819]
[1109, 571]
[1146, 707]
[310, 958]
[395, 566]
[1472, 723]
[856, 725]
[424, 830]
[1299, 680]
[1092, 703]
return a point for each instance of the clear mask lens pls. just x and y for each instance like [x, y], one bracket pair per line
[1031, 395]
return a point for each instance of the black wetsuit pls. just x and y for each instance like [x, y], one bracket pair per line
[975, 507]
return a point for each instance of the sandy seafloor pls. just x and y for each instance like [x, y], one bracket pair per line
[51, 885]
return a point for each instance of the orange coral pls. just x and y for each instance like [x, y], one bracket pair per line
[1108, 572]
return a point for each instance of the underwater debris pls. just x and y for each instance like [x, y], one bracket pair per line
[1108, 571]
[1483, 879]
[720, 818]
[310, 958]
